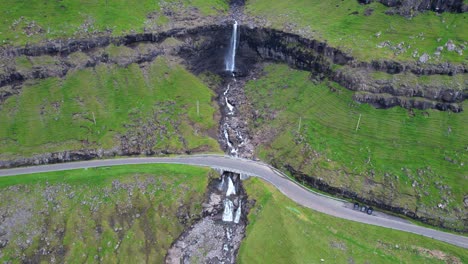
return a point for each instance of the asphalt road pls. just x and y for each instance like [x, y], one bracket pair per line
[318, 202]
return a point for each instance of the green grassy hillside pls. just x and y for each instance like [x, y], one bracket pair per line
[280, 231]
[109, 214]
[95, 107]
[411, 159]
[28, 21]
[343, 24]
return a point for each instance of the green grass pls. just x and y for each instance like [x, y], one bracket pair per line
[333, 22]
[280, 231]
[56, 19]
[91, 108]
[391, 151]
[69, 207]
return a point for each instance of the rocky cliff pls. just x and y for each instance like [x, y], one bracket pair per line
[203, 49]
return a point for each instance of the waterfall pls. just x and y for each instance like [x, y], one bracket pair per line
[230, 59]
[228, 211]
[231, 189]
[238, 213]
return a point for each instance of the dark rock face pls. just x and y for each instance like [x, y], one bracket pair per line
[298, 52]
[406, 7]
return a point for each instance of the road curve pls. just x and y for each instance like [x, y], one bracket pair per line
[318, 202]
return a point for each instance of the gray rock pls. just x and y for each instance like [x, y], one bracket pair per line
[450, 45]
[424, 58]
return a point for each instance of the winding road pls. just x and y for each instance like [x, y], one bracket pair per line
[302, 196]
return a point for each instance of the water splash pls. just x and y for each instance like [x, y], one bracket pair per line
[230, 60]
[238, 213]
[231, 190]
[228, 211]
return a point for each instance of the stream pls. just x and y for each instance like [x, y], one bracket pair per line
[216, 237]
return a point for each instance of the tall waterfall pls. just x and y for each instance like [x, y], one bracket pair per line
[230, 59]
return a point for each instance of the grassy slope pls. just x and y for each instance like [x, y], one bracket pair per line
[57, 114]
[389, 153]
[80, 202]
[332, 21]
[280, 231]
[65, 18]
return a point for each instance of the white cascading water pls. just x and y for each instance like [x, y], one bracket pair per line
[228, 142]
[231, 190]
[228, 211]
[221, 184]
[238, 213]
[227, 90]
[230, 106]
[230, 60]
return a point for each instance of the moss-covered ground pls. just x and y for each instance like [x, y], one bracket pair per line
[94, 107]
[29, 21]
[407, 158]
[280, 231]
[343, 24]
[108, 214]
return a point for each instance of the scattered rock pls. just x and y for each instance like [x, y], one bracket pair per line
[424, 58]
[450, 45]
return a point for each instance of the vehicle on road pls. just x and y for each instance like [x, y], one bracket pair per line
[369, 210]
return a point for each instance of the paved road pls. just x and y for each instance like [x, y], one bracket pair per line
[297, 193]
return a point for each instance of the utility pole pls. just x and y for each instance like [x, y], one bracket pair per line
[299, 127]
[359, 121]
[94, 119]
[198, 108]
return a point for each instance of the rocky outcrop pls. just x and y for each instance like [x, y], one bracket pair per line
[386, 93]
[395, 67]
[60, 157]
[384, 101]
[409, 7]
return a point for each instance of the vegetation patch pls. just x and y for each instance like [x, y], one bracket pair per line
[280, 231]
[30, 21]
[349, 26]
[409, 159]
[108, 214]
[157, 108]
